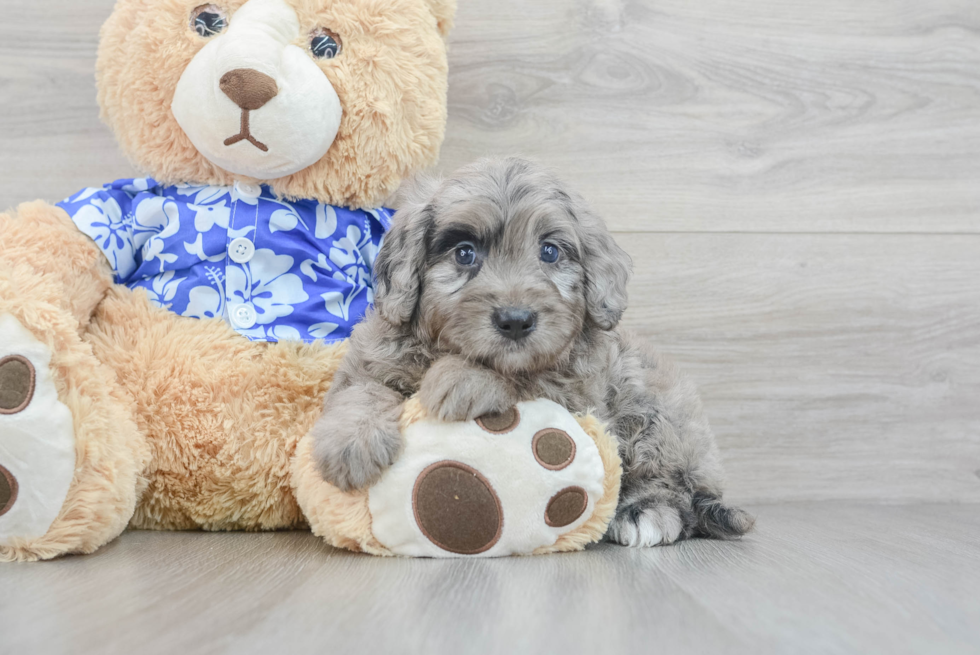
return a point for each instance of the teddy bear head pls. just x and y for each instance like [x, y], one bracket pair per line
[334, 100]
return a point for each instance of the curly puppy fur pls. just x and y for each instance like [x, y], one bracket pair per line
[459, 252]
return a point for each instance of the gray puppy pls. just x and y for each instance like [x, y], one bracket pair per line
[499, 285]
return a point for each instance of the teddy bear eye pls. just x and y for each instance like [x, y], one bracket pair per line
[324, 44]
[208, 20]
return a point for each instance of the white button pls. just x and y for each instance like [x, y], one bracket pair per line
[248, 190]
[241, 250]
[243, 316]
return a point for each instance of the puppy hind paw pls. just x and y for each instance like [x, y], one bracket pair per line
[659, 525]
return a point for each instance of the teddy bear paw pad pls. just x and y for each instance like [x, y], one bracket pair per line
[553, 449]
[457, 509]
[566, 506]
[8, 490]
[37, 437]
[504, 484]
[500, 423]
[17, 378]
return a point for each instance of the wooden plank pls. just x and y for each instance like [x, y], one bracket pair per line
[832, 366]
[672, 116]
[814, 578]
[52, 142]
[726, 115]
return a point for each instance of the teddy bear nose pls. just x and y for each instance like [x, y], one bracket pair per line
[248, 88]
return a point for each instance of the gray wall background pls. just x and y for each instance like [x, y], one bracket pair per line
[798, 184]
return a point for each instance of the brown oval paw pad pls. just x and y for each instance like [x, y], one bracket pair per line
[8, 490]
[501, 422]
[566, 506]
[457, 509]
[17, 380]
[553, 449]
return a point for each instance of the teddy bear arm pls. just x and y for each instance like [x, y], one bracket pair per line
[43, 238]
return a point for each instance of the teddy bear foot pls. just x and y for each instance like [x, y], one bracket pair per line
[508, 483]
[531, 480]
[37, 441]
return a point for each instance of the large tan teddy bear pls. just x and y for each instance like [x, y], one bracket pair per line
[166, 342]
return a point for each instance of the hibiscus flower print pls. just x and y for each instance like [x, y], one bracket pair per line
[163, 289]
[305, 271]
[103, 221]
[267, 283]
[156, 220]
[346, 256]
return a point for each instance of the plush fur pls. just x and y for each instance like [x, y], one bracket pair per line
[222, 415]
[434, 334]
[51, 295]
[182, 423]
[390, 77]
[197, 423]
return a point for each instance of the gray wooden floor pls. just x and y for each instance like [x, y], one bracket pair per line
[817, 578]
[798, 183]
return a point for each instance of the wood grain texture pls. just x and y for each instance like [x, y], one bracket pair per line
[815, 578]
[832, 366]
[798, 184]
[720, 115]
[730, 115]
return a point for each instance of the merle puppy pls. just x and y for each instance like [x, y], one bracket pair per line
[499, 285]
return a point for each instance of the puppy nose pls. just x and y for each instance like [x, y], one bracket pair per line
[514, 323]
[248, 88]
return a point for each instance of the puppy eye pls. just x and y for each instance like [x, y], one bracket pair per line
[324, 44]
[549, 253]
[465, 254]
[208, 20]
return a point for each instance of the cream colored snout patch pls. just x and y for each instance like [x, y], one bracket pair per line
[254, 103]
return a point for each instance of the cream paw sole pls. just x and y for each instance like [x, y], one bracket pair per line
[37, 439]
[505, 484]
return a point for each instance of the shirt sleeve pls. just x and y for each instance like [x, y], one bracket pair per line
[105, 215]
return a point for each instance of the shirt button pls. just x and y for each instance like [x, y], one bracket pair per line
[241, 250]
[248, 190]
[243, 316]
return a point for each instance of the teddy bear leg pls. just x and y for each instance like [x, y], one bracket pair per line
[70, 453]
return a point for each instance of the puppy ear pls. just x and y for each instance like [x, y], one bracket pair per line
[398, 267]
[607, 267]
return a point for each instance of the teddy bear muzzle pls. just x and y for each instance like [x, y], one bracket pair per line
[253, 102]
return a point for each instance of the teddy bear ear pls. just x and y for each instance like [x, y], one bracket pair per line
[444, 11]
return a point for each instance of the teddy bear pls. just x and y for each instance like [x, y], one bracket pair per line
[166, 342]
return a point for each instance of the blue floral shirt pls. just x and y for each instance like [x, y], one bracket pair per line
[273, 270]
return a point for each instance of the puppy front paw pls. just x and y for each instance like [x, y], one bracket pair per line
[641, 525]
[455, 390]
[356, 441]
